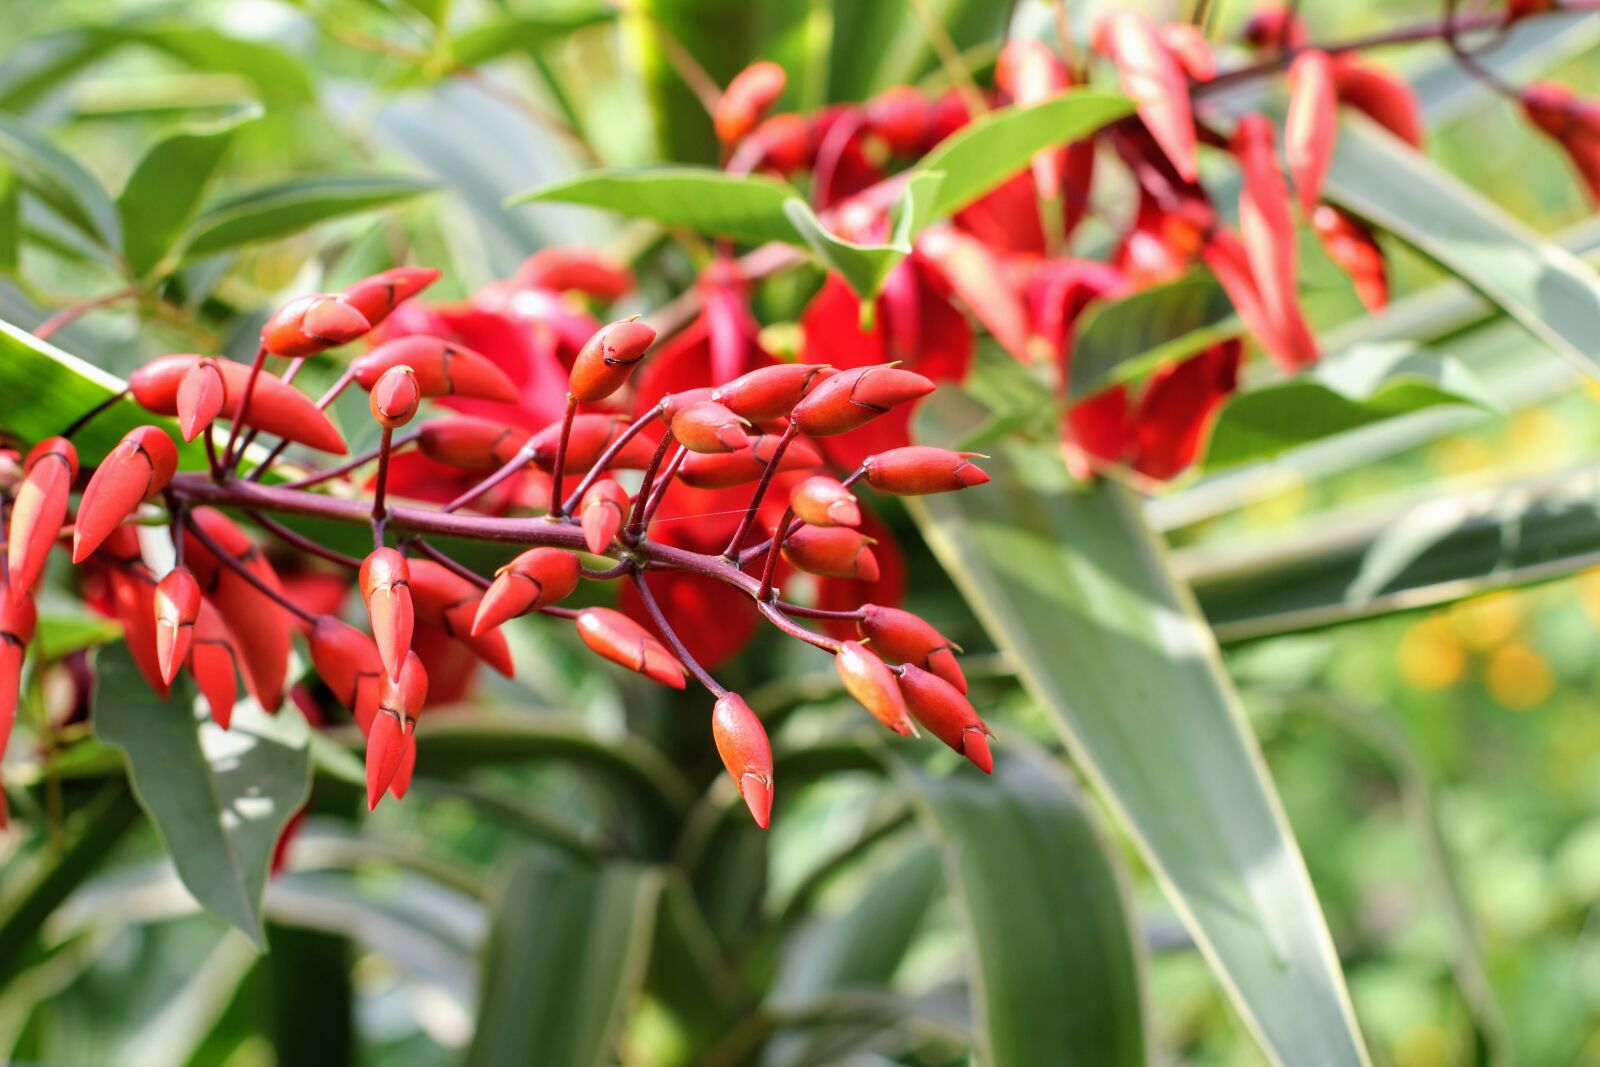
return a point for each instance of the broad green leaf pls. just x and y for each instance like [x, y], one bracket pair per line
[992, 148]
[564, 957]
[275, 75]
[1046, 913]
[1122, 340]
[60, 181]
[26, 74]
[10, 220]
[290, 207]
[1398, 555]
[61, 634]
[218, 798]
[499, 35]
[1076, 589]
[865, 267]
[163, 193]
[749, 207]
[1552, 293]
[1359, 386]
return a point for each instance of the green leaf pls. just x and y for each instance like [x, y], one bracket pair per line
[10, 221]
[59, 634]
[275, 75]
[876, 45]
[218, 798]
[499, 35]
[749, 207]
[1046, 913]
[1360, 386]
[865, 267]
[565, 954]
[1122, 340]
[163, 193]
[1075, 588]
[60, 181]
[1541, 285]
[289, 207]
[992, 148]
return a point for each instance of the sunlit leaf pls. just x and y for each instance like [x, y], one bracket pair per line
[749, 207]
[290, 207]
[1121, 340]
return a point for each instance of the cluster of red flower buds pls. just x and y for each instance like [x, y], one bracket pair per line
[223, 607]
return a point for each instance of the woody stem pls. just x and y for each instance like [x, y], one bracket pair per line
[345, 468]
[635, 526]
[379, 513]
[227, 559]
[557, 509]
[339, 386]
[242, 411]
[732, 551]
[669, 472]
[771, 569]
[660, 619]
[611, 453]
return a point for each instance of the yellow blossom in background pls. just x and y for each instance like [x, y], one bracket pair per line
[1519, 677]
[1535, 436]
[1423, 1045]
[1486, 621]
[1431, 655]
[1461, 455]
[1589, 595]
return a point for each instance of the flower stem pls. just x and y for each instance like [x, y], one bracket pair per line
[732, 551]
[672, 638]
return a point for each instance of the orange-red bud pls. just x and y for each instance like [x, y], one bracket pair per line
[177, 606]
[833, 552]
[201, 394]
[1382, 97]
[39, 510]
[348, 661]
[591, 434]
[905, 638]
[901, 116]
[621, 640]
[377, 296]
[917, 469]
[258, 623]
[854, 398]
[445, 599]
[1312, 124]
[470, 443]
[1355, 251]
[872, 683]
[770, 392]
[307, 325]
[18, 619]
[133, 590]
[824, 501]
[607, 359]
[1274, 26]
[137, 469]
[601, 512]
[727, 469]
[784, 142]
[742, 744]
[536, 579]
[276, 407]
[395, 397]
[214, 662]
[748, 96]
[574, 269]
[708, 427]
[386, 587]
[400, 701]
[946, 713]
[443, 368]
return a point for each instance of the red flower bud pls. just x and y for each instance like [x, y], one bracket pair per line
[742, 744]
[824, 501]
[214, 661]
[901, 116]
[727, 469]
[377, 296]
[1271, 246]
[400, 701]
[133, 590]
[607, 359]
[784, 142]
[770, 392]
[395, 397]
[574, 269]
[1355, 251]
[854, 398]
[201, 395]
[470, 443]
[536, 579]
[1030, 73]
[708, 427]
[445, 599]
[1155, 82]
[309, 324]
[940, 707]
[136, 470]
[872, 683]
[905, 638]
[1274, 26]
[386, 587]
[443, 368]
[591, 434]
[917, 469]
[746, 99]
[348, 661]
[39, 510]
[1188, 45]
[672, 403]
[259, 624]
[18, 618]
[1312, 124]
[621, 640]
[177, 606]
[1385, 99]
[276, 407]
[833, 552]
[1521, 9]
[601, 512]
[1573, 122]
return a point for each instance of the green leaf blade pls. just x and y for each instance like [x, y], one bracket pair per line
[749, 207]
[60, 181]
[286, 208]
[1122, 340]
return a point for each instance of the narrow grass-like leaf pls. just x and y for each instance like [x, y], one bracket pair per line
[749, 207]
[59, 181]
[290, 207]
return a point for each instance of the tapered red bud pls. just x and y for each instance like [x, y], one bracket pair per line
[673, 403]
[18, 619]
[1188, 45]
[1383, 97]
[1312, 124]
[946, 713]
[39, 510]
[709, 427]
[377, 296]
[770, 392]
[824, 501]
[727, 469]
[1152, 77]
[833, 552]
[395, 397]
[903, 637]
[136, 470]
[607, 358]
[854, 398]
[872, 683]
[1274, 26]
[752, 91]
[470, 443]
[443, 368]
[783, 142]
[400, 701]
[386, 588]
[177, 606]
[200, 398]
[901, 116]
[742, 744]
[444, 599]
[918, 469]
[214, 662]
[621, 640]
[310, 324]
[1030, 73]
[400, 784]
[577, 270]
[601, 512]
[133, 590]
[259, 624]
[348, 661]
[536, 579]
[276, 407]
[1355, 251]
[591, 434]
